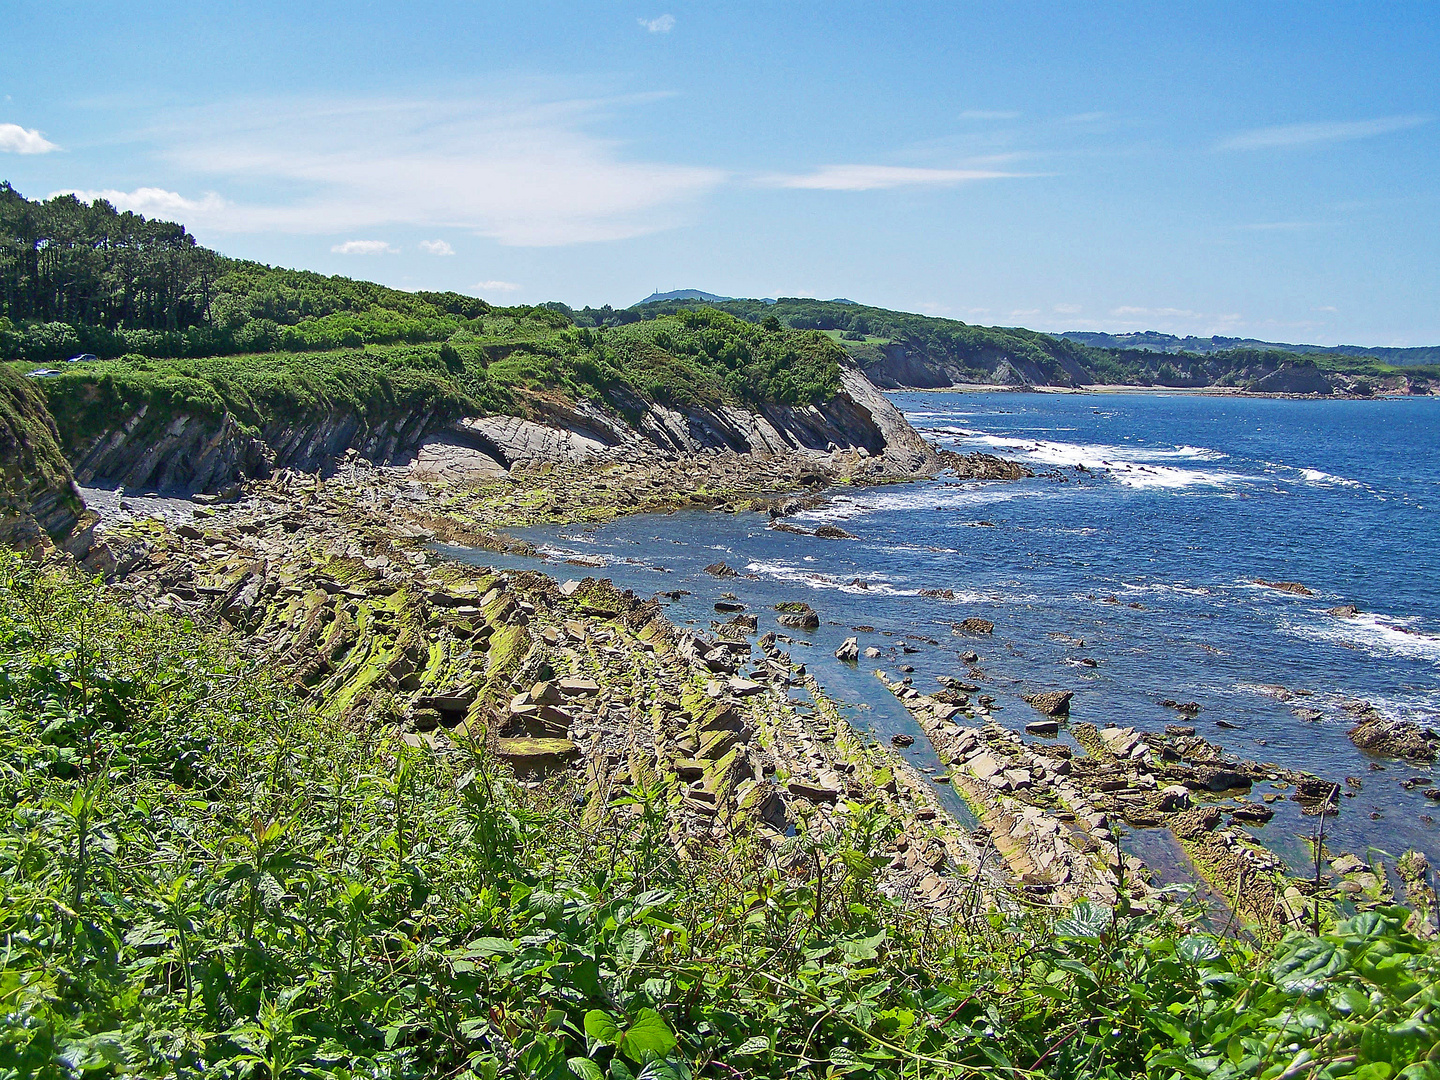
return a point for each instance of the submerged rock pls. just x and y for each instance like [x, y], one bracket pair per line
[1286, 586]
[977, 626]
[719, 569]
[1051, 703]
[1376, 734]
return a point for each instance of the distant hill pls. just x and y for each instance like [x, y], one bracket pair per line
[900, 349]
[1154, 341]
[684, 294]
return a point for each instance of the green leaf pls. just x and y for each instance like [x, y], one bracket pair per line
[1305, 969]
[862, 947]
[489, 946]
[756, 1044]
[1198, 948]
[647, 1037]
[149, 933]
[1085, 920]
[667, 1069]
[600, 1027]
[585, 1069]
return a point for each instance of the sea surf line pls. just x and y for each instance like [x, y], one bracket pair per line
[1136, 547]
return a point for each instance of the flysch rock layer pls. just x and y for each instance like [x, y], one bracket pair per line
[327, 583]
[859, 432]
[1053, 815]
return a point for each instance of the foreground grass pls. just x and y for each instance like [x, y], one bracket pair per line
[201, 878]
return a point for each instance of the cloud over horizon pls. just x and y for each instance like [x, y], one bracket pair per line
[154, 202]
[436, 247]
[364, 247]
[879, 177]
[522, 172]
[1283, 135]
[15, 139]
[662, 25]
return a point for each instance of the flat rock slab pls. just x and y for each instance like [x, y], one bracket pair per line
[527, 755]
[1052, 703]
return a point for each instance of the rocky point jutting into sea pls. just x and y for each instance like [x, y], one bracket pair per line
[344, 575]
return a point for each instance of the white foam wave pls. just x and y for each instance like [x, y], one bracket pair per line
[586, 558]
[875, 584]
[1133, 466]
[1315, 476]
[1379, 635]
[844, 507]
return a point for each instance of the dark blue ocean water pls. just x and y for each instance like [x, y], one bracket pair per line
[1172, 505]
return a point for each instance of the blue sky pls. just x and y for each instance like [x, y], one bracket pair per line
[1266, 169]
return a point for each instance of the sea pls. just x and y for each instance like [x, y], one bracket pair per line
[1127, 571]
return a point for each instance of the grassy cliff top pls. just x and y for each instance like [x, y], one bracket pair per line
[510, 361]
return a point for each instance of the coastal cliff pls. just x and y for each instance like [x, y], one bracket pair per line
[146, 446]
[39, 505]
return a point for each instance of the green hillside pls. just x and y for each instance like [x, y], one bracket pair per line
[160, 309]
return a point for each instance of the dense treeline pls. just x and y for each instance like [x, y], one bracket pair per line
[77, 277]
[159, 310]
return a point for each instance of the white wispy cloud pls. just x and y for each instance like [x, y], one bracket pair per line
[521, 171]
[1281, 226]
[879, 177]
[496, 286]
[436, 247]
[1068, 309]
[364, 247]
[662, 25]
[989, 114]
[1283, 135]
[154, 202]
[15, 139]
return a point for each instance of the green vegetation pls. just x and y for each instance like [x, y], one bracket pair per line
[30, 455]
[80, 278]
[182, 328]
[203, 875]
[968, 353]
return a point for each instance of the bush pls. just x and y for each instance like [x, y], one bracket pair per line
[201, 876]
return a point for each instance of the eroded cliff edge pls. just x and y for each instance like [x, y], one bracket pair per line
[39, 504]
[147, 446]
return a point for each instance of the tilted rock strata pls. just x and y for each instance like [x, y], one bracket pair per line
[325, 582]
[39, 505]
[858, 433]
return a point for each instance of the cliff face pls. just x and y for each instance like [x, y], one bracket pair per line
[39, 505]
[909, 365]
[191, 453]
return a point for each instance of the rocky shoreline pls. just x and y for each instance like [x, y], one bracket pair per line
[336, 578]
[337, 581]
